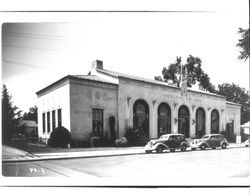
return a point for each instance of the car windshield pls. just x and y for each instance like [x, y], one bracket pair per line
[205, 137]
[164, 137]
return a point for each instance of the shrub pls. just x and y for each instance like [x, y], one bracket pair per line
[132, 135]
[79, 144]
[102, 141]
[105, 142]
[230, 138]
[59, 137]
[122, 142]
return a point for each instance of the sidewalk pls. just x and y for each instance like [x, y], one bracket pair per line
[10, 154]
[14, 154]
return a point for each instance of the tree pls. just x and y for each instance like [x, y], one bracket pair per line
[234, 93]
[243, 44]
[191, 69]
[31, 115]
[158, 78]
[11, 116]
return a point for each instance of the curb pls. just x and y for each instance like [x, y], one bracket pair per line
[37, 158]
[67, 157]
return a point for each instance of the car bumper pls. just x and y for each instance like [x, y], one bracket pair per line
[149, 148]
[194, 146]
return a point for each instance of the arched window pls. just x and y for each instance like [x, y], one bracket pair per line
[141, 118]
[164, 119]
[183, 120]
[215, 121]
[200, 123]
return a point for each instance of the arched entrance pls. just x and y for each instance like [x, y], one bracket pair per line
[215, 121]
[141, 118]
[183, 120]
[164, 119]
[200, 123]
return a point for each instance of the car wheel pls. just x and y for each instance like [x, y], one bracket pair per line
[223, 146]
[203, 147]
[159, 149]
[193, 148]
[183, 148]
[213, 147]
[148, 151]
[172, 150]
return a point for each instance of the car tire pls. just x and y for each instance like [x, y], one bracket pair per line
[203, 147]
[172, 150]
[148, 151]
[193, 149]
[224, 146]
[213, 148]
[159, 149]
[183, 148]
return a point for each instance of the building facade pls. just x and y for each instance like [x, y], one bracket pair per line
[84, 104]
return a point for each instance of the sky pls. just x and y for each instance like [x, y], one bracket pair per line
[41, 48]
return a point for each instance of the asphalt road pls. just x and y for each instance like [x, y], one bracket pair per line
[210, 167]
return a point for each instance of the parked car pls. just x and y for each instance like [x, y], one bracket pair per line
[167, 142]
[210, 141]
[246, 143]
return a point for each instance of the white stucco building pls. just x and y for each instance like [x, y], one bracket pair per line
[84, 103]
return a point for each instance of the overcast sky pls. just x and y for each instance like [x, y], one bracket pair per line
[38, 49]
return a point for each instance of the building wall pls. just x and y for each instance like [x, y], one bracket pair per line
[88, 95]
[54, 99]
[233, 114]
[78, 97]
[130, 91]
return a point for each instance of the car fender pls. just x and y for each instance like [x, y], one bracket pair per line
[185, 144]
[223, 142]
[161, 144]
[204, 143]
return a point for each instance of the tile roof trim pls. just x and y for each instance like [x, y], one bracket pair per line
[99, 79]
[116, 74]
[71, 77]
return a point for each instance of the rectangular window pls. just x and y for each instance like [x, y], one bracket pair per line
[44, 128]
[59, 117]
[48, 122]
[97, 122]
[53, 120]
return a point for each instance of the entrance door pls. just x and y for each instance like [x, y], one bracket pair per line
[183, 121]
[97, 122]
[215, 121]
[141, 118]
[200, 123]
[230, 130]
[164, 119]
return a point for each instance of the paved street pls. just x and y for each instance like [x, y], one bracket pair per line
[210, 167]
